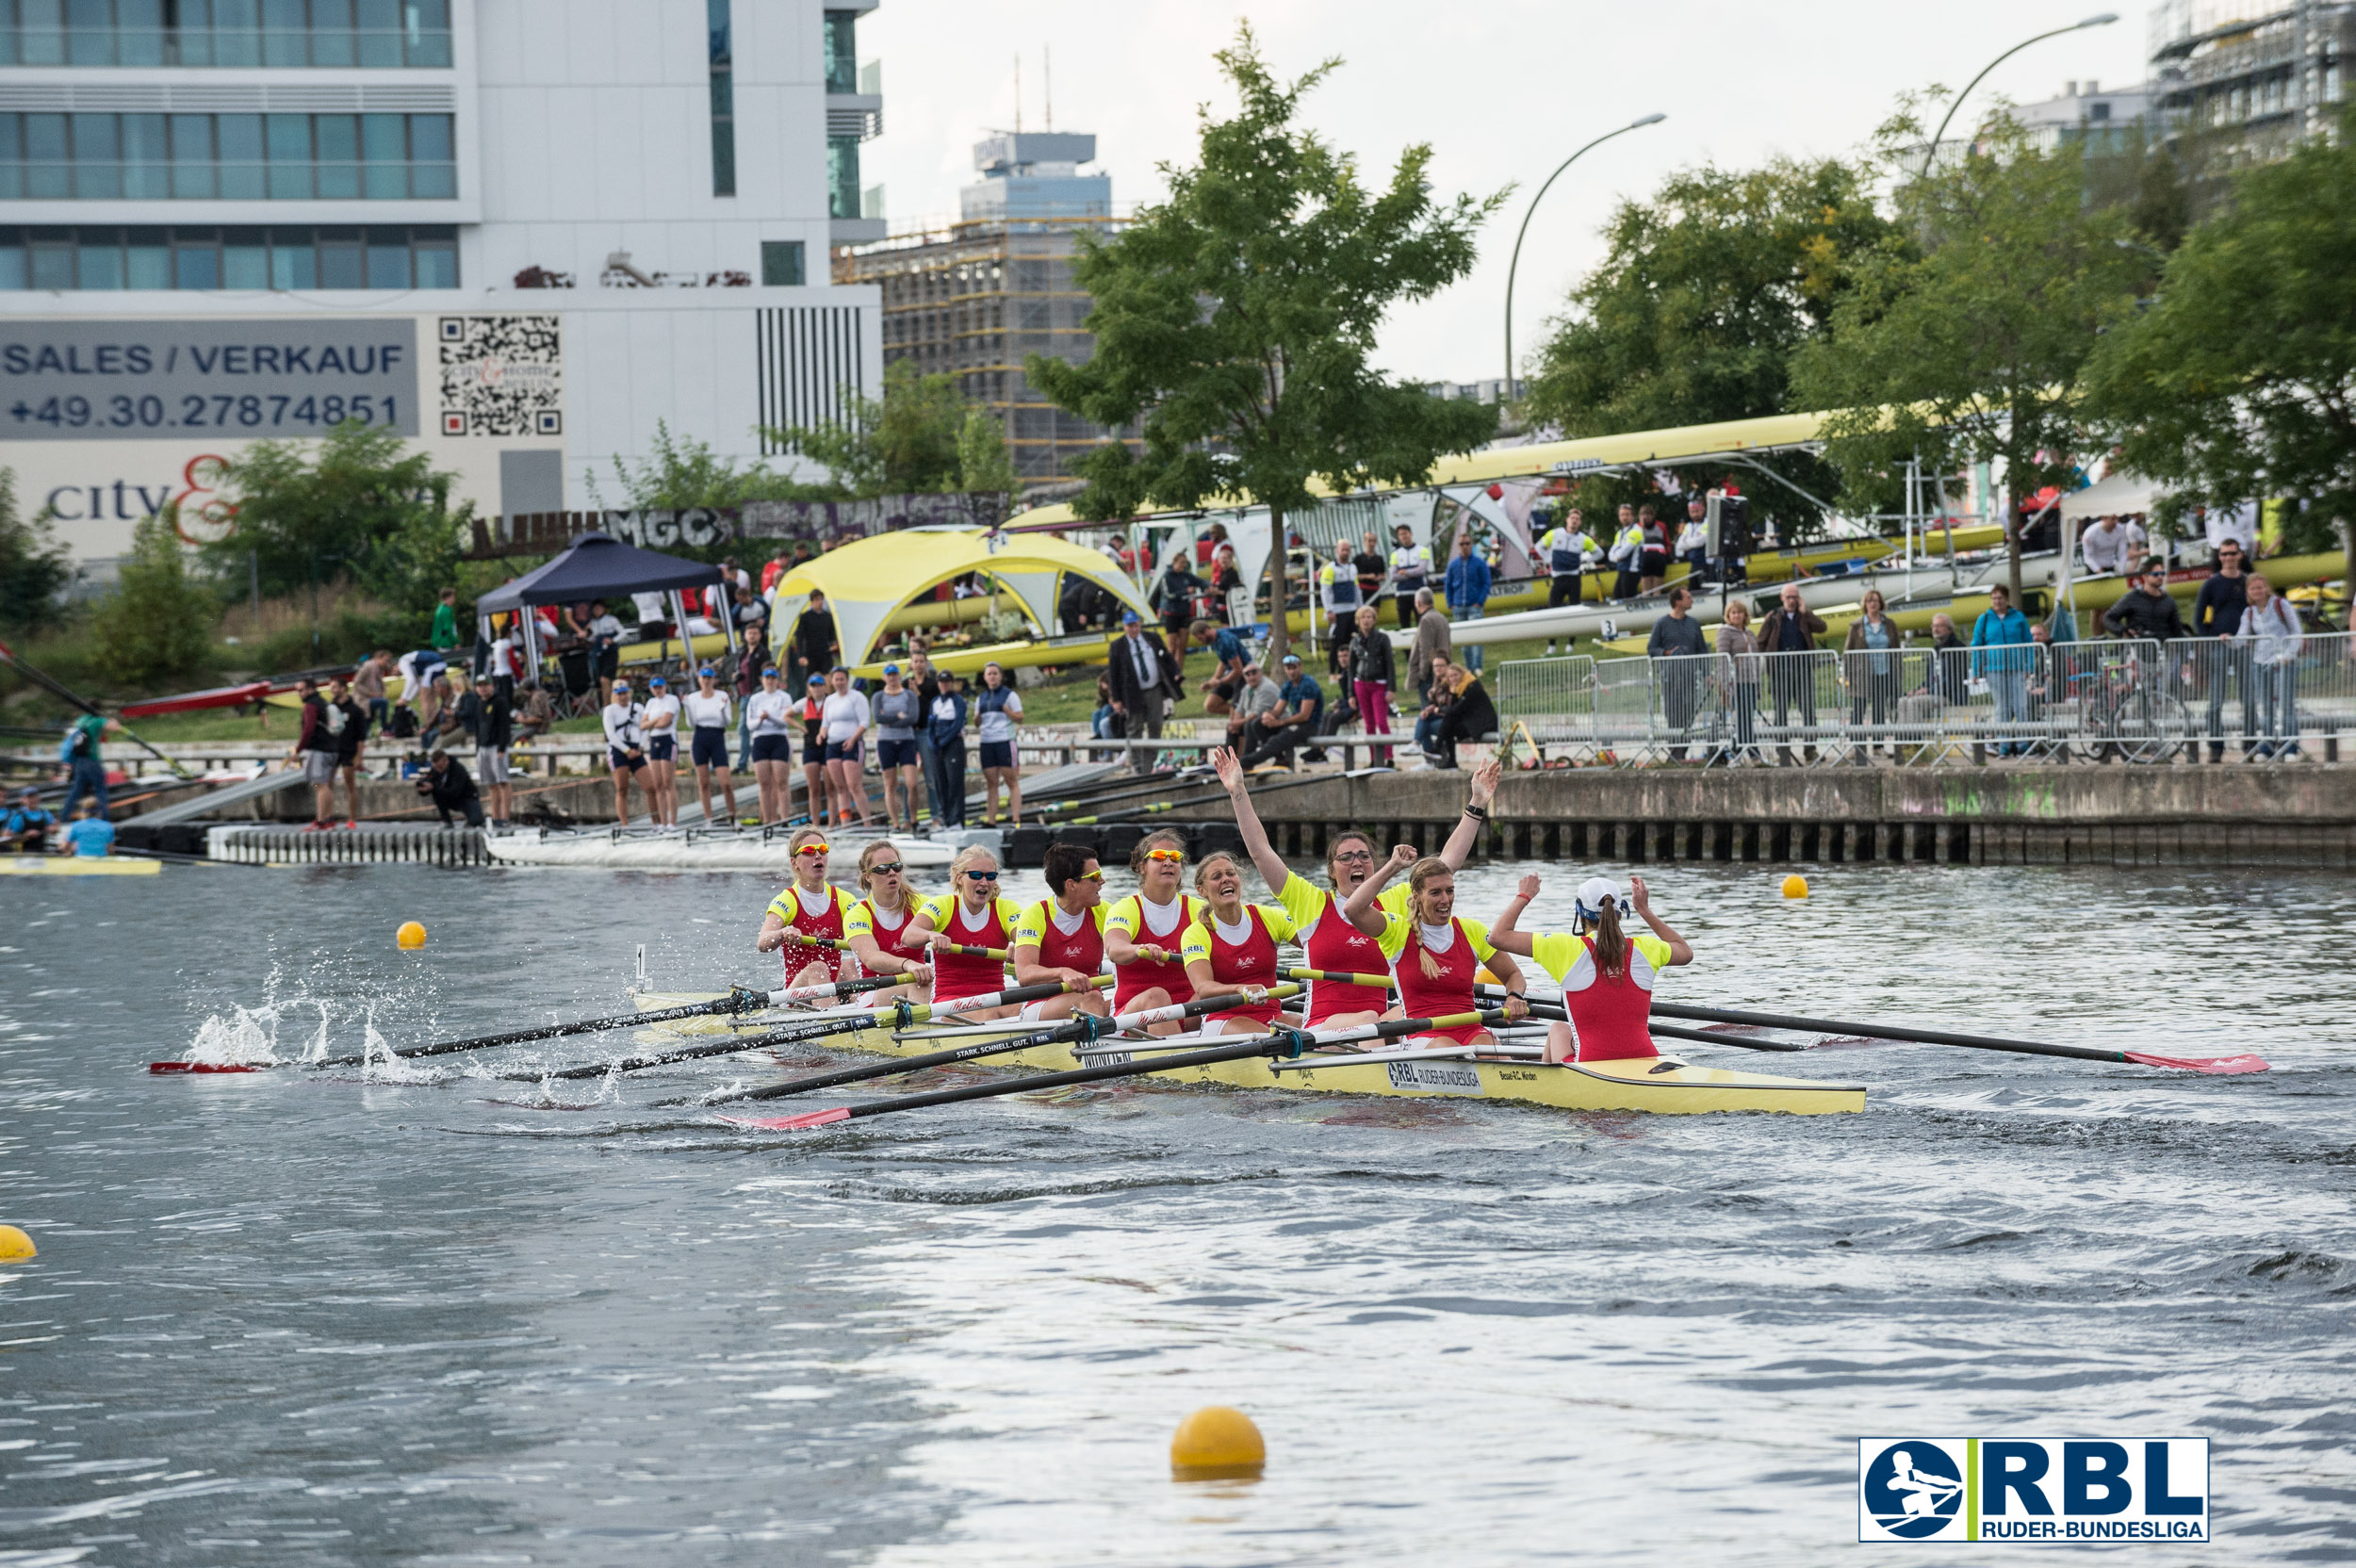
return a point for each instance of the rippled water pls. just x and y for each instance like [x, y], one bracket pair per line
[293, 1318]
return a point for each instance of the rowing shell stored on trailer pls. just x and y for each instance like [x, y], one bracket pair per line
[703, 851]
[1657, 1084]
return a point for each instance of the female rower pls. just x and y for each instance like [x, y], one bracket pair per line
[658, 723]
[1607, 975]
[973, 913]
[1230, 949]
[812, 710]
[708, 710]
[998, 709]
[1435, 955]
[810, 906]
[879, 919]
[1061, 938]
[1142, 934]
[769, 713]
[1332, 943]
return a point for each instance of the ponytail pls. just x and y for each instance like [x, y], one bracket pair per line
[1611, 943]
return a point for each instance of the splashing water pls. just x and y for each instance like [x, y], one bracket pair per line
[245, 1036]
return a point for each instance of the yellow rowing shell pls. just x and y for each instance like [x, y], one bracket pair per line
[75, 865]
[1658, 1084]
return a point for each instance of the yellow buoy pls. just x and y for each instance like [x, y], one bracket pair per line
[1795, 886]
[410, 936]
[16, 1246]
[1216, 1442]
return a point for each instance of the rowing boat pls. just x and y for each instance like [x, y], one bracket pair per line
[1657, 1084]
[75, 865]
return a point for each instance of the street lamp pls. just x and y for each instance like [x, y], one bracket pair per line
[1931, 152]
[1506, 391]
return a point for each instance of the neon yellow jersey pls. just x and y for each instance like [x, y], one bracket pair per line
[1304, 901]
[1195, 942]
[1031, 930]
[860, 922]
[941, 909]
[1128, 918]
[789, 908]
[1397, 928]
[1565, 956]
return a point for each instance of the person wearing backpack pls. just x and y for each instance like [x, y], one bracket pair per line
[86, 769]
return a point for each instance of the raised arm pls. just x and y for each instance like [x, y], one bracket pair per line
[1680, 951]
[1270, 864]
[1360, 911]
[1483, 789]
[1504, 936]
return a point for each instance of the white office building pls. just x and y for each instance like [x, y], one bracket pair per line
[521, 232]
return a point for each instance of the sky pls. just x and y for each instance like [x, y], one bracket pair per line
[1503, 89]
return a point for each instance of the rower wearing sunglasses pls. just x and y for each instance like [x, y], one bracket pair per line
[971, 914]
[810, 906]
[1145, 932]
[1061, 938]
[879, 919]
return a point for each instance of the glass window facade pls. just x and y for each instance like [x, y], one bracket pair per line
[840, 45]
[842, 176]
[782, 264]
[285, 157]
[375, 34]
[721, 51]
[419, 255]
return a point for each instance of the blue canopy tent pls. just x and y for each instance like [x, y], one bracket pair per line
[598, 566]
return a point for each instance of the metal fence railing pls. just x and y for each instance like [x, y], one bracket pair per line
[2115, 700]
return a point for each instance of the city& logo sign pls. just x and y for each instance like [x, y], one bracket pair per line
[2110, 1491]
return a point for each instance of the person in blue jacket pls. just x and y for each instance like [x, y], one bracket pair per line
[2002, 653]
[1467, 584]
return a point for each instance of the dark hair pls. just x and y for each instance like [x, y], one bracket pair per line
[1333, 847]
[1065, 864]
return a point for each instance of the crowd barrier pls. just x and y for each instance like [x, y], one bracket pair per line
[2125, 699]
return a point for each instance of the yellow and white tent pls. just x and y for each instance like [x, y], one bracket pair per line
[868, 580]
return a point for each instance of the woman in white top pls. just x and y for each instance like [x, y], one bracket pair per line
[708, 709]
[657, 721]
[844, 719]
[625, 745]
[770, 712]
[997, 709]
[2273, 635]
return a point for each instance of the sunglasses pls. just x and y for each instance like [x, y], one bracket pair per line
[812, 849]
[1172, 855]
[1355, 855]
[983, 876]
[890, 869]
[1096, 875]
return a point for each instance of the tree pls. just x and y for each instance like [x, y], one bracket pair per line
[34, 567]
[2238, 383]
[904, 443]
[1706, 291]
[1234, 320]
[313, 515]
[158, 621]
[682, 473]
[1964, 339]
[983, 466]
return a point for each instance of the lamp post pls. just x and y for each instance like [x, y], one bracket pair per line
[1932, 151]
[1505, 392]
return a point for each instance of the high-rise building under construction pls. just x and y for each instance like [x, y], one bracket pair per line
[996, 286]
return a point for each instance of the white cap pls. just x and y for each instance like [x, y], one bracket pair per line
[1595, 892]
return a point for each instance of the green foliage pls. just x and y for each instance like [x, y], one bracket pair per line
[1963, 340]
[1707, 289]
[356, 506]
[34, 566]
[2239, 381]
[683, 473]
[907, 442]
[984, 465]
[1235, 321]
[157, 625]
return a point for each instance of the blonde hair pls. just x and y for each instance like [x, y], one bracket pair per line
[967, 856]
[802, 836]
[867, 858]
[1203, 870]
[1167, 837]
[1873, 596]
[1421, 873]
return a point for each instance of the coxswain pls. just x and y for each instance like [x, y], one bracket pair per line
[1061, 938]
[1607, 975]
[1230, 948]
[1328, 940]
[26, 830]
[1435, 955]
[879, 919]
[810, 906]
[973, 913]
[1142, 934]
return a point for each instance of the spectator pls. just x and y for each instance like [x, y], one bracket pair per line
[1145, 687]
[1435, 645]
[1174, 599]
[2272, 641]
[368, 685]
[89, 836]
[1338, 592]
[29, 824]
[2001, 655]
[446, 783]
[997, 709]
[1104, 724]
[772, 570]
[1652, 566]
[85, 765]
[817, 786]
[1566, 551]
[1227, 653]
[316, 747]
[895, 710]
[814, 649]
[1300, 702]
[944, 726]
[1693, 541]
[1678, 637]
[445, 634]
[1411, 570]
[1372, 569]
[1255, 699]
[625, 756]
[751, 615]
[350, 735]
[2147, 610]
[421, 672]
[2217, 612]
[1372, 671]
[848, 718]
[1945, 679]
[1872, 670]
[494, 733]
[659, 729]
[1467, 585]
[1792, 630]
[1739, 660]
[605, 640]
[1627, 554]
[769, 751]
[923, 678]
[1460, 711]
[1226, 577]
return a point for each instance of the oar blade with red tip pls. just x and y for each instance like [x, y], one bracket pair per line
[790, 1123]
[2213, 1065]
[204, 1067]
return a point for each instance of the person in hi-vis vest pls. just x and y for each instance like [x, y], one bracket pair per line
[1564, 550]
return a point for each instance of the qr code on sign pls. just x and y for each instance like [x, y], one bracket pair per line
[501, 375]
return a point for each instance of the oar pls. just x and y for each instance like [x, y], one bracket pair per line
[738, 1000]
[1288, 1042]
[1555, 1012]
[59, 689]
[1086, 1026]
[1343, 977]
[1975, 1042]
[794, 938]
